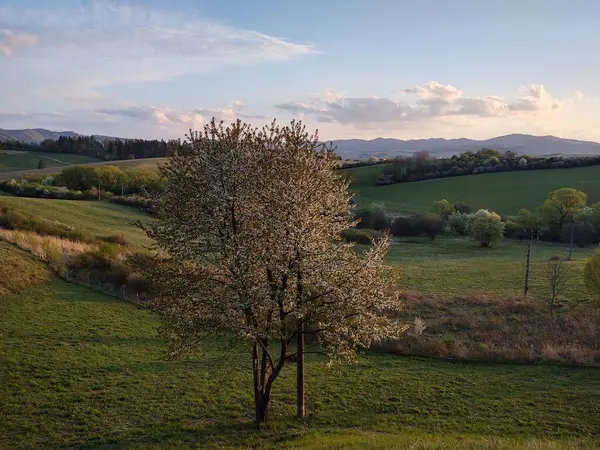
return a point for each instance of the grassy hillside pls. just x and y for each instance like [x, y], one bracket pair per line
[505, 192]
[149, 163]
[80, 369]
[18, 161]
[99, 218]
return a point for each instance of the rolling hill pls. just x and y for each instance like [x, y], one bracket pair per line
[523, 144]
[37, 135]
[503, 192]
[388, 147]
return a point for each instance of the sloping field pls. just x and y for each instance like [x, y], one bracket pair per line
[14, 161]
[148, 163]
[83, 370]
[504, 192]
[97, 217]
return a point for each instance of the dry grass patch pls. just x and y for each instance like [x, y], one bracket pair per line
[487, 327]
[19, 270]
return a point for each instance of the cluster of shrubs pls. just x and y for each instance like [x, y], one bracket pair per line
[89, 183]
[26, 188]
[484, 226]
[421, 166]
[135, 201]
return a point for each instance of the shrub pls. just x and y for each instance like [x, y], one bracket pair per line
[429, 224]
[363, 236]
[374, 217]
[443, 208]
[486, 228]
[463, 208]
[459, 223]
[591, 274]
[404, 227]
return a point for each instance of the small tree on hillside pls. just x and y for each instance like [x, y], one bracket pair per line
[562, 205]
[486, 227]
[41, 164]
[557, 274]
[249, 230]
[443, 208]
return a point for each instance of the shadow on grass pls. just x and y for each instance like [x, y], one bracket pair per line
[214, 435]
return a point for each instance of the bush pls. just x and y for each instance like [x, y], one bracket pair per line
[362, 236]
[462, 208]
[429, 224]
[443, 208]
[40, 190]
[374, 217]
[100, 259]
[404, 227]
[135, 201]
[460, 223]
[486, 228]
[591, 274]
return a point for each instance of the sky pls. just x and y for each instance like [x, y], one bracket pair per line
[405, 69]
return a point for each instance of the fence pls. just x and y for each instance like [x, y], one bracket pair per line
[98, 282]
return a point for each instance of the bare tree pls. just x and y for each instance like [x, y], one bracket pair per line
[557, 274]
[248, 232]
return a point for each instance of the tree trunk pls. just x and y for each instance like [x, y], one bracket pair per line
[300, 396]
[571, 240]
[256, 384]
[526, 289]
[263, 409]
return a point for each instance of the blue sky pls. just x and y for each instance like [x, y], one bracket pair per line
[353, 68]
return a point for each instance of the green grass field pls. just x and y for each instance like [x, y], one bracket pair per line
[505, 192]
[446, 266]
[451, 267]
[99, 218]
[83, 370]
[18, 161]
[148, 163]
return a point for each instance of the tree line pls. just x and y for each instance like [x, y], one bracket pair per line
[565, 216]
[105, 149]
[421, 166]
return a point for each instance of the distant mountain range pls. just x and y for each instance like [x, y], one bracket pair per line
[386, 148]
[37, 135]
[522, 144]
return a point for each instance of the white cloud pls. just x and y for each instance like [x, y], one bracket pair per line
[435, 89]
[537, 98]
[435, 101]
[78, 51]
[9, 40]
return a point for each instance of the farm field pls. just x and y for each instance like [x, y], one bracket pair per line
[19, 161]
[149, 163]
[99, 218]
[451, 267]
[504, 192]
[80, 369]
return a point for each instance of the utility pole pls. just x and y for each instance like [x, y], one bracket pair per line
[571, 239]
[532, 233]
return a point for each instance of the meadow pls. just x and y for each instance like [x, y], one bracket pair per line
[98, 217]
[10, 172]
[80, 369]
[504, 192]
[446, 266]
[451, 267]
[14, 161]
